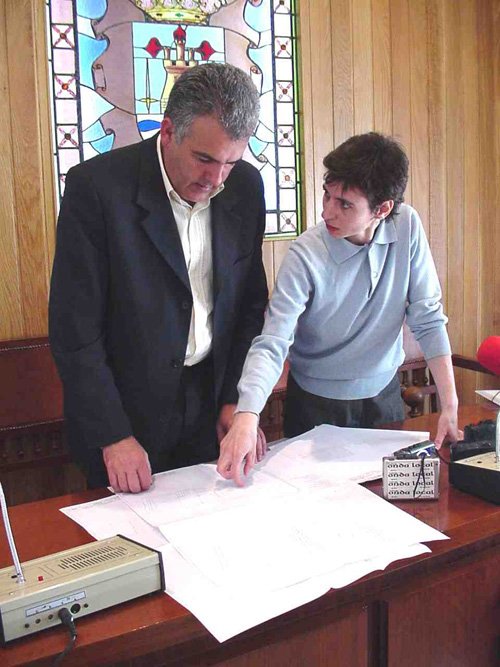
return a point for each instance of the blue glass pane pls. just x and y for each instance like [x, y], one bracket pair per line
[263, 59]
[267, 111]
[259, 17]
[91, 9]
[93, 106]
[256, 146]
[94, 132]
[104, 144]
[89, 50]
[148, 125]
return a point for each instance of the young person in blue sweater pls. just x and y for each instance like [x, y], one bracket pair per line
[342, 294]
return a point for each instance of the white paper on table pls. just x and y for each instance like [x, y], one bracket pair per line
[352, 571]
[247, 555]
[335, 453]
[227, 611]
[199, 490]
[492, 395]
[111, 516]
[296, 538]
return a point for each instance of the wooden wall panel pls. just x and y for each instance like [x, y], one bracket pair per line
[496, 150]
[382, 66]
[496, 146]
[419, 105]
[342, 112]
[401, 78]
[322, 82]
[268, 259]
[472, 190]
[10, 297]
[454, 88]
[437, 141]
[309, 160]
[362, 60]
[26, 154]
[41, 73]
[425, 70]
[279, 251]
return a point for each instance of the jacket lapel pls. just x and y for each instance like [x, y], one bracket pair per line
[159, 222]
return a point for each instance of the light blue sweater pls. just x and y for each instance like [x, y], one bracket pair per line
[339, 308]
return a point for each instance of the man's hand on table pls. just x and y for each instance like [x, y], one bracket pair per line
[225, 420]
[127, 463]
[243, 445]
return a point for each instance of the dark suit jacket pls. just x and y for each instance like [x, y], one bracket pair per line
[120, 301]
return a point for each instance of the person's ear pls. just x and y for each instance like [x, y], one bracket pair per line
[385, 209]
[167, 132]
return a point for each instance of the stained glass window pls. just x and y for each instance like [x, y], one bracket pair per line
[113, 63]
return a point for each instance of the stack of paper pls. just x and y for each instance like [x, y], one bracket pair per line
[492, 395]
[237, 557]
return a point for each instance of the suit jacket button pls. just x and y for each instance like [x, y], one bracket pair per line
[176, 363]
[185, 305]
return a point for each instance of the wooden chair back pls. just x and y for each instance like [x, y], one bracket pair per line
[34, 462]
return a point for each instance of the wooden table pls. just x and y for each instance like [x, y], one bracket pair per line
[435, 610]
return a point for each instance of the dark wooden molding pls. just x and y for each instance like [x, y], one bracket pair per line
[30, 389]
[34, 460]
[469, 363]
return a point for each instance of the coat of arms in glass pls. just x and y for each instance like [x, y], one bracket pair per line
[114, 62]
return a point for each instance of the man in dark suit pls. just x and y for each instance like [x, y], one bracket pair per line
[158, 285]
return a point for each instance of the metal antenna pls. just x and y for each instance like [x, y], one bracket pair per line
[10, 538]
[497, 439]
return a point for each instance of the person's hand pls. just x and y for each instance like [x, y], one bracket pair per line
[225, 422]
[447, 428]
[261, 450]
[239, 447]
[127, 463]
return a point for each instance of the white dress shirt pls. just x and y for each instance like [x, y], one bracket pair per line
[195, 231]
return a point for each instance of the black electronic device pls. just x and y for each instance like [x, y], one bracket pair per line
[416, 451]
[463, 449]
[474, 461]
[480, 474]
[483, 430]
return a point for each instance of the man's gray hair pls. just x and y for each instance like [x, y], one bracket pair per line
[217, 89]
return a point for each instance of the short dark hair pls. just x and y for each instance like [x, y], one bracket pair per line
[215, 89]
[373, 163]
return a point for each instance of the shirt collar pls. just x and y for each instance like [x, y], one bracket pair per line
[342, 250]
[385, 232]
[169, 188]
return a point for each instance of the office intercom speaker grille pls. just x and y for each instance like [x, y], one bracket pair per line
[92, 557]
